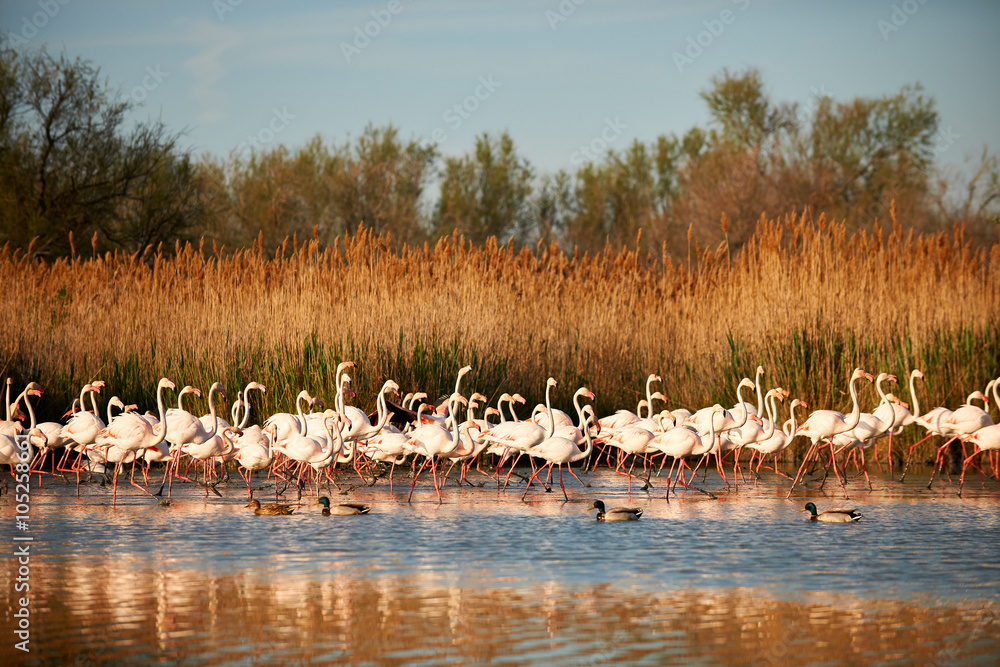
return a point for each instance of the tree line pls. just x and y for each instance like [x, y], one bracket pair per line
[77, 176]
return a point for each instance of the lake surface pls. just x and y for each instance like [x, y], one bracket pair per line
[486, 578]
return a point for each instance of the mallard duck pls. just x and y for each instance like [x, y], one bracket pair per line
[836, 515]
[342, 508]
[272, 508]
[615, 513]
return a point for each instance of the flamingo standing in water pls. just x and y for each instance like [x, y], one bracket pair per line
[255, 455]
[558, 450]
[822, 425]
[902, 416]
[523, 435]
[83, 427]
[129, 432]
[960, 424]
[986, 439]
[779, 440]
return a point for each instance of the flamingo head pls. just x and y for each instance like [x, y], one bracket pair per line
[518, 398]
[551, 382]
[165, 383]
[748, 383]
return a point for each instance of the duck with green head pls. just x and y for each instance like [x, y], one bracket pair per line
[273, 509]
[615, 513]
[836, 515]
[343, 509]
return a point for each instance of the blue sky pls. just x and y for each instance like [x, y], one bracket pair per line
[226, 71]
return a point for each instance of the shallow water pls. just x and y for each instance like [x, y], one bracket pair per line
[487, 578]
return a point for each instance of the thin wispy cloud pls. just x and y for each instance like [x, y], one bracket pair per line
[208, 68]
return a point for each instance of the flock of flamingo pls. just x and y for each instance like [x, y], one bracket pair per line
[306, 447]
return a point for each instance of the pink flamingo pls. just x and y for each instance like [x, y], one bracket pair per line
[822, 425]
[130, 433]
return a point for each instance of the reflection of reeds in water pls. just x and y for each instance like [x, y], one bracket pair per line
[99, 612]
[803, 299]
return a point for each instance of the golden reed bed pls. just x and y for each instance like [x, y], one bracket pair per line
[804, 298]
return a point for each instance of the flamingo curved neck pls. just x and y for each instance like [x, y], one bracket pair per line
[163, 419]
[298, 409]
[31, 411]
[579, 408]
[383, 411]
[83, 398]
[792, 421]
[772, 412]
[914, 399]
[551, 430]
[739, 401]
[883, 426]
[996, 392]
[93, 403]
[328, 450]
[649, 396]
[711, 428]
[234, 414]
[855, 417]
[760, 397]
[211, 411]
[589, 448]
